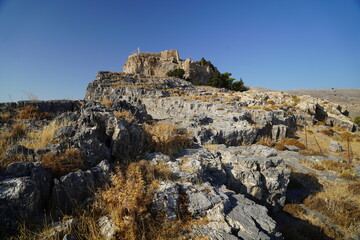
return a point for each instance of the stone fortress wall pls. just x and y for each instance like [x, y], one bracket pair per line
[158, 64]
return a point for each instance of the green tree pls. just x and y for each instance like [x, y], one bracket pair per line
[238, 86]
[178, 73]
[221, 80]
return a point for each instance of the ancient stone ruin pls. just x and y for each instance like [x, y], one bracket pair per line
[158, 64]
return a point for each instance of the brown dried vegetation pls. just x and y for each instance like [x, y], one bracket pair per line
[166, 138]
[106, 102]
[59, 165]
[33, 113]
[125, 115]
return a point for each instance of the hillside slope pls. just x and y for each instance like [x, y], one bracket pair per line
[146, 157]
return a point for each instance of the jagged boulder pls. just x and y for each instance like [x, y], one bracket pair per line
[254, 171]
[75, 188]
[166, 200]
[24, 190]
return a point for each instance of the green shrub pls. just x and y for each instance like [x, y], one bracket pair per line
[357, 120]
[238, 86]
[178, 73]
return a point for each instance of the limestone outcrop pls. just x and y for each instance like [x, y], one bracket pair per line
[158, 64]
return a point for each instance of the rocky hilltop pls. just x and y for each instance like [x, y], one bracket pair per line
[145, 156]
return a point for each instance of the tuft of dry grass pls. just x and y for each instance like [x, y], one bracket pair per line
[266, 141]
[348, 175]
[328, 132]
[18, 131]
[271, 102]
[166, 138]
[125, 115]
[344, 170]
[334, 166]
[280, 144]
[39, 139]
[294, 209]
[5, 116]
[320, 123]
[59, 165]
[106, 102]
[212, 146]
[354, 188]
[293, 142]
[33, 113]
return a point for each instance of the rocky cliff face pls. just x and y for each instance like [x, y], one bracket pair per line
[158, 64]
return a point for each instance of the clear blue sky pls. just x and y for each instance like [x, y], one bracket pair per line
[54, 48]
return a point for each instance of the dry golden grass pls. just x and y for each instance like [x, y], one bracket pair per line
[166, 138]
[318, 142]
[280, 144]
[354, 188]
[339, 204]
[128, 201]
[293, 142]
[294, 209]
[8, 139]
[18, 131]
[328, 132]
[344, 170]
[39, 139]
[266, 141]
[106, 102]
[59, 165]
[212, 146]
[349, 175]
[33, 113]
[125, 115]
[270, 102]
[5, 116]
